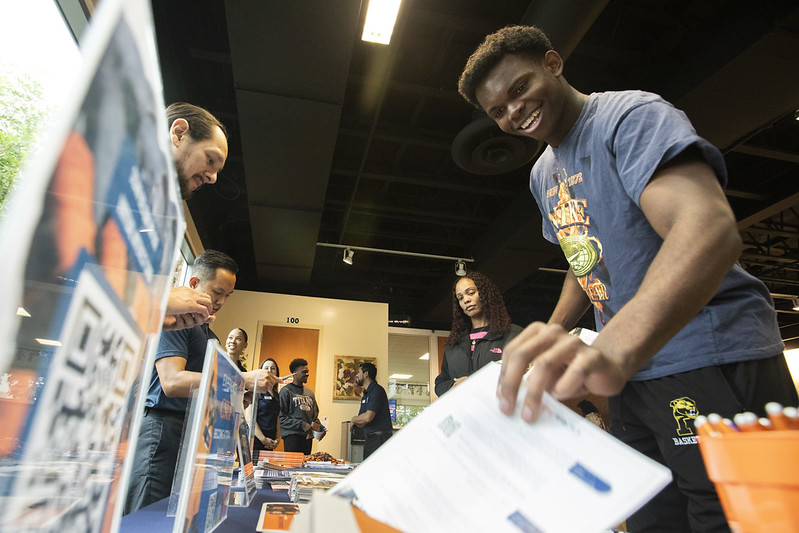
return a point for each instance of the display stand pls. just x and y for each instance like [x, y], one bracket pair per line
[209, 445]
[243, 489]
[89, 240]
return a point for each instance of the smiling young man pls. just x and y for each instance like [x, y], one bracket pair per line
[298, 410]
[178, 369]
[635, 199]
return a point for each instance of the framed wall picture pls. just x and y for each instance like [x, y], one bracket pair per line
[344, 386]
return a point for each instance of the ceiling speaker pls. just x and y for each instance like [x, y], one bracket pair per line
[482, 148]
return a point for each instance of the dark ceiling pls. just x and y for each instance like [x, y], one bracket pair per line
[339, 141]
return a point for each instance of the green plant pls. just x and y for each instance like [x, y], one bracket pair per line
[22, 109]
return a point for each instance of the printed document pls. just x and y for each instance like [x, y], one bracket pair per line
[462, 465]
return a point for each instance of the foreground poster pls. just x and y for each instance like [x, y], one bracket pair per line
[209, 445]
[89, 240]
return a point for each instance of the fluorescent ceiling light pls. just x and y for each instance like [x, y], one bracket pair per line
[22, 312]
[400, 376]
[380, 19]
[425, 357]
[48, 342]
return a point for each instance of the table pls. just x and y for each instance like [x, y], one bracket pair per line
[153, 518]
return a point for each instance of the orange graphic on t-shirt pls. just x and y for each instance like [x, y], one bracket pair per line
[570, 219]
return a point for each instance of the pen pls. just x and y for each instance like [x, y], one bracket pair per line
[792, 415]
[719, 424]
[778, 418]
[765, 423]
[747, 422]
[701, 425]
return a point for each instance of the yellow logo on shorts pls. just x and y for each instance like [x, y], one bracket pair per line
[684, 411]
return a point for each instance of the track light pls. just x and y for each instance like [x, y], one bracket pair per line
[349, 251]
[795, 302]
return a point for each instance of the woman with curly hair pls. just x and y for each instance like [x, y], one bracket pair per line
[480, 329]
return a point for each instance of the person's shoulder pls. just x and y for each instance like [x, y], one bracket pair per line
[631, 97]
[175, 338]
[620, 103]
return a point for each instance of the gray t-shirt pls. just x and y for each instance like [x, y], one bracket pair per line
[588, 190]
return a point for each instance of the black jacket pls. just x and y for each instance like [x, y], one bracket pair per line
[459, 360]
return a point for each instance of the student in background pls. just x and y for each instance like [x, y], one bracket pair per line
[235, 345]
[480, 329]
[267, 416]
[373, 415]
[299, 412]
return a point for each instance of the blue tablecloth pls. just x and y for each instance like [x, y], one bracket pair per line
[153, 519]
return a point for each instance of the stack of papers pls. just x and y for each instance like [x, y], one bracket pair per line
[461, 465]
[289, 459]
[303, 485]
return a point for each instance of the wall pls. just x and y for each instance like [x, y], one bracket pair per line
[345, 328]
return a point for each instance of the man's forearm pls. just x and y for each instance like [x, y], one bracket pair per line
[572, 304]
[180, 384]
[363, 419]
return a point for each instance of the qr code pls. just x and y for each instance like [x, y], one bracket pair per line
[448, 426]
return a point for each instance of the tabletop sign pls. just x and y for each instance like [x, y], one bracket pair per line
[243, 489]
[89, 241]
[209, 445]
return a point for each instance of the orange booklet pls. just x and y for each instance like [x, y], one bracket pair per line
[278, 516]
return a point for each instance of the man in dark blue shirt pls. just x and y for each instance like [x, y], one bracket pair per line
[373, 416]
[178, 369]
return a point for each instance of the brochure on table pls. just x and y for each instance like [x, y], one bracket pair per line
[209, 445]
[89, 239]
[243, 488]
[497, 473]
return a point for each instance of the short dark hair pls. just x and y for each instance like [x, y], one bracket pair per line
[207, 263]
[201, 122]
[297, 363]
[370, 369]
[527, 41]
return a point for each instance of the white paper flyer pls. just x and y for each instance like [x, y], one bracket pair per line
[462, 465]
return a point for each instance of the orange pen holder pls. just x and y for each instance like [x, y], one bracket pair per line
[757, 478]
